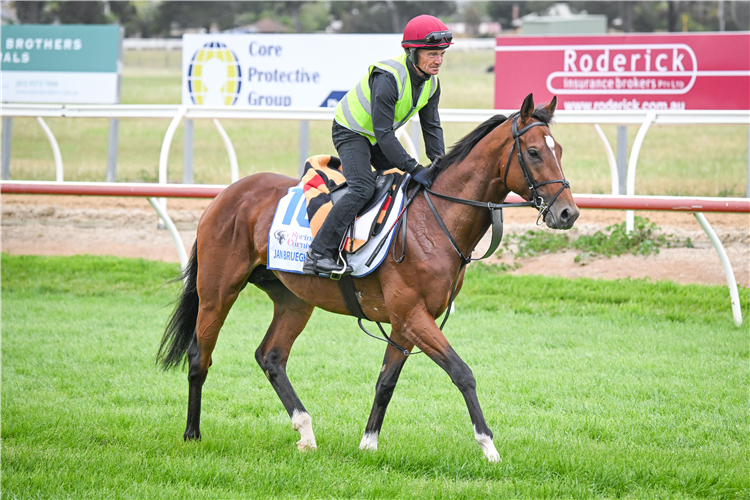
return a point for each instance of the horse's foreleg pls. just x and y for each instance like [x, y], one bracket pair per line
[429, 338]
[290, 315]
[393, 362]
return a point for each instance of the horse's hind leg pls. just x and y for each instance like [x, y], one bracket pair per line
[290, 315]
[217, 295]
[393, 362]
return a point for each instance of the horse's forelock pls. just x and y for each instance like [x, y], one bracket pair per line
[543, 114]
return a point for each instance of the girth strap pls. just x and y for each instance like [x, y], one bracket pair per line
[346, 285]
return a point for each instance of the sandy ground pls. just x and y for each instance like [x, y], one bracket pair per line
[127, 227]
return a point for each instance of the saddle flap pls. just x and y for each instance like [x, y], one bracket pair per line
[339, 192]
[383, 185]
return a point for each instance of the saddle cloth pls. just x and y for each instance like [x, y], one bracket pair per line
[300, 214]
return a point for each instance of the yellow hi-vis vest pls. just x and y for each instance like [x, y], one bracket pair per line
[354, 112]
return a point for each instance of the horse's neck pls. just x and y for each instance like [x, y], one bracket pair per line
[476, 178]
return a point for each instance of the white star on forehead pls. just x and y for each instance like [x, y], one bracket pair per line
[551, 145]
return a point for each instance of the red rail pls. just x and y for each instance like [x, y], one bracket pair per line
[661, 203]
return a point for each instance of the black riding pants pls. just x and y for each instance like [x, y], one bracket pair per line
[357, 154]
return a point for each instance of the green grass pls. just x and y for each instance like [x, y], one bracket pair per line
[594, 389]
[646, 238]
[697, 161]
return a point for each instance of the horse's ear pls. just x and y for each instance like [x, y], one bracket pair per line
[552, 105]
[527, 108]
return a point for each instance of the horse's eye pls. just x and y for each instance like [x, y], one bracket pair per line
[533, 153]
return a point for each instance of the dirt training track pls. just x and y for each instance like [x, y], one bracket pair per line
[127, 227]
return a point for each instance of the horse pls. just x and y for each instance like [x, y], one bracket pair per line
[231, 251]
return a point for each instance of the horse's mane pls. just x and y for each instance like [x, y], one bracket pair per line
[462, 148]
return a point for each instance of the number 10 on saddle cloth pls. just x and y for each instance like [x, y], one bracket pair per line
[302, 211]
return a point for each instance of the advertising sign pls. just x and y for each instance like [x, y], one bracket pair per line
[622, 72]
[77, 64]
[277, 70]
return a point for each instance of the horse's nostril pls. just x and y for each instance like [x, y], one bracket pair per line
[565, 216]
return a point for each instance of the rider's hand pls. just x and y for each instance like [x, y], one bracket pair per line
[424, 175]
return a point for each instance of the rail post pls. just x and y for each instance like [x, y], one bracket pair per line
[630, 190]
[234, 172]
[7, 140]
[164, 154]
[622, 156]
[55, 148]
[114, 129]
[725, 264]
[613, 167]
[187, 152]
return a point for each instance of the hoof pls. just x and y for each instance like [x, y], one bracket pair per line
[303, 445]
[302, 423]
[191, 435]
[369, 442]
[488, 447]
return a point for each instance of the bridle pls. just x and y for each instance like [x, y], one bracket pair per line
[535, 200]
[533, 185]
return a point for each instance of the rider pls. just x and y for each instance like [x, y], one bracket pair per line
[363, 131]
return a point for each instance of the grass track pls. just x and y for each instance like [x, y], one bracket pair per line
[593, 389]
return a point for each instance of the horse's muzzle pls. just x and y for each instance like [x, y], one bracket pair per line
[562, 215]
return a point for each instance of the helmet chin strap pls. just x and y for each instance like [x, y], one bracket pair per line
[413, 58]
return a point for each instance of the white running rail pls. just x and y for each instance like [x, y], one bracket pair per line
[645, 119]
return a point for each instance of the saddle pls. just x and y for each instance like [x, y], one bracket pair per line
[324, 184]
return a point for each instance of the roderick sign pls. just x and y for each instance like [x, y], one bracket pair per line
[626, 72]
[277, 70]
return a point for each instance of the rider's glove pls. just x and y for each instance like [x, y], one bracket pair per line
[424, 175]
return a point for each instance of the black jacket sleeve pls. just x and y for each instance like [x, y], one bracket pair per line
[383, 96]
[432, 132]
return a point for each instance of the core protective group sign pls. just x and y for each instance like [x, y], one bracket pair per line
[626, 72]
[77, 64]
[277, 70]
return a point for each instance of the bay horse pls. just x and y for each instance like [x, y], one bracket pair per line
[231, 251]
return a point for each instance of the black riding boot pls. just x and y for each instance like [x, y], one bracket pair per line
[319, 264]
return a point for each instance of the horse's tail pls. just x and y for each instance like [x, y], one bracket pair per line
[181, 327]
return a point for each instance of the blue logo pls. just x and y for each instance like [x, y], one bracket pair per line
[333, 99]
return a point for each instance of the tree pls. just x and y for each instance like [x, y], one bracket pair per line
[80, 12]
[384, 16]
[200, 14]
[33, 12]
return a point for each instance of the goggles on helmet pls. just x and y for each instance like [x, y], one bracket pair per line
[439, 37]
[434, 38]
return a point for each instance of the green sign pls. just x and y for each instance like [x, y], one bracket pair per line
[62, 48]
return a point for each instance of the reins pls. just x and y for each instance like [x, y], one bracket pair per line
[496, 215]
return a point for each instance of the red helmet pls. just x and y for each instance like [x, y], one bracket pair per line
[426, 32]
